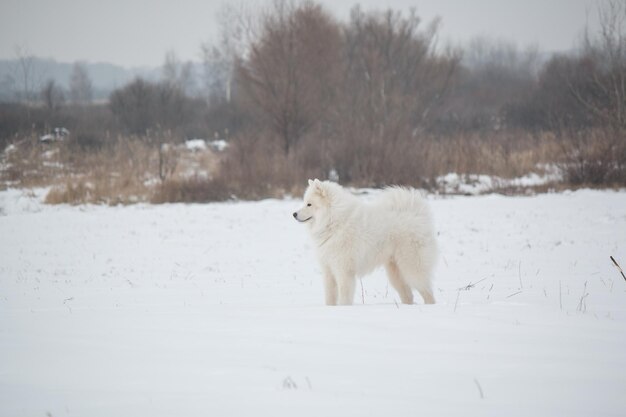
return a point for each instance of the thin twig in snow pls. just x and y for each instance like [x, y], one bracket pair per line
[582, 305]
[480, 389]
[515, 293]
[289, 383]
[458, 294]
[619, 268]
[470, 285]
[67, 305]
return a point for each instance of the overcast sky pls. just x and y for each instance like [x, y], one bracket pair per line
[140, 32]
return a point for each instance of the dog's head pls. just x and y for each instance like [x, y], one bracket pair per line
[316, 202]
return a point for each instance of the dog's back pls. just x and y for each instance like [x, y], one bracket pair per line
[400, 199]
[407, 207]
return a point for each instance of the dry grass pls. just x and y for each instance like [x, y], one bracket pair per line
[191, 190]
[258, 167]
[125, 171]
[505, 154]
[597, 158]
[130, 170]
[118, 174]
[28, 163]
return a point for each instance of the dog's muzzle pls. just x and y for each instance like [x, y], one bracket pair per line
[295, 216]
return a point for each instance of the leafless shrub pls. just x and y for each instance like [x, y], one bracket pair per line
[81, 89]
[142, 105]
[594, 157]
[256, 167]
[87, 140]
[52, 95]
[71, 192]
[192, 190]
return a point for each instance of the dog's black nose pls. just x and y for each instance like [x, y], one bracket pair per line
[295, 215]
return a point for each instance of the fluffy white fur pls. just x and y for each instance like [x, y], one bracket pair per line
[352, 238]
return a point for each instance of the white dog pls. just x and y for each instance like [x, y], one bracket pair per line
[352, 238]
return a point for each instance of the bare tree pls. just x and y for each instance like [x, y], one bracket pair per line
[135, 106]
[393, 85]
[27, 75]
[142, 105]
[238, 29]
[81, 91]
[395, 78]
[485, 54]
[52, 95]
[178, 74]
[290, 74]
[603, 61]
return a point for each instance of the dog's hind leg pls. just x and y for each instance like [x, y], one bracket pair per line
[418, 274]
[397, 282]
[427, 294]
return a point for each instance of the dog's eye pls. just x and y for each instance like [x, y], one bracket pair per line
[308, 205]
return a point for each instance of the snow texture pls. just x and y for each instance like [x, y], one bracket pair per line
[198, 145]
[219, 145]
[217, 310]
[473, 184]
[195, 145]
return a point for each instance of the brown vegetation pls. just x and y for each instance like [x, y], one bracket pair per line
[127, 170]
[371, 102]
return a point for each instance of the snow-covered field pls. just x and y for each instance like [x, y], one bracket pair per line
[217, 310]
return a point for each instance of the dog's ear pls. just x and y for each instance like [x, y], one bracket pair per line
[310, 182]
[319, 188]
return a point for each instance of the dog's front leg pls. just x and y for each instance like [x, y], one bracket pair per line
[346, 285]
[330, 288]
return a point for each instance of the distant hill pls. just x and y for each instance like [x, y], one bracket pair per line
[105, 77]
